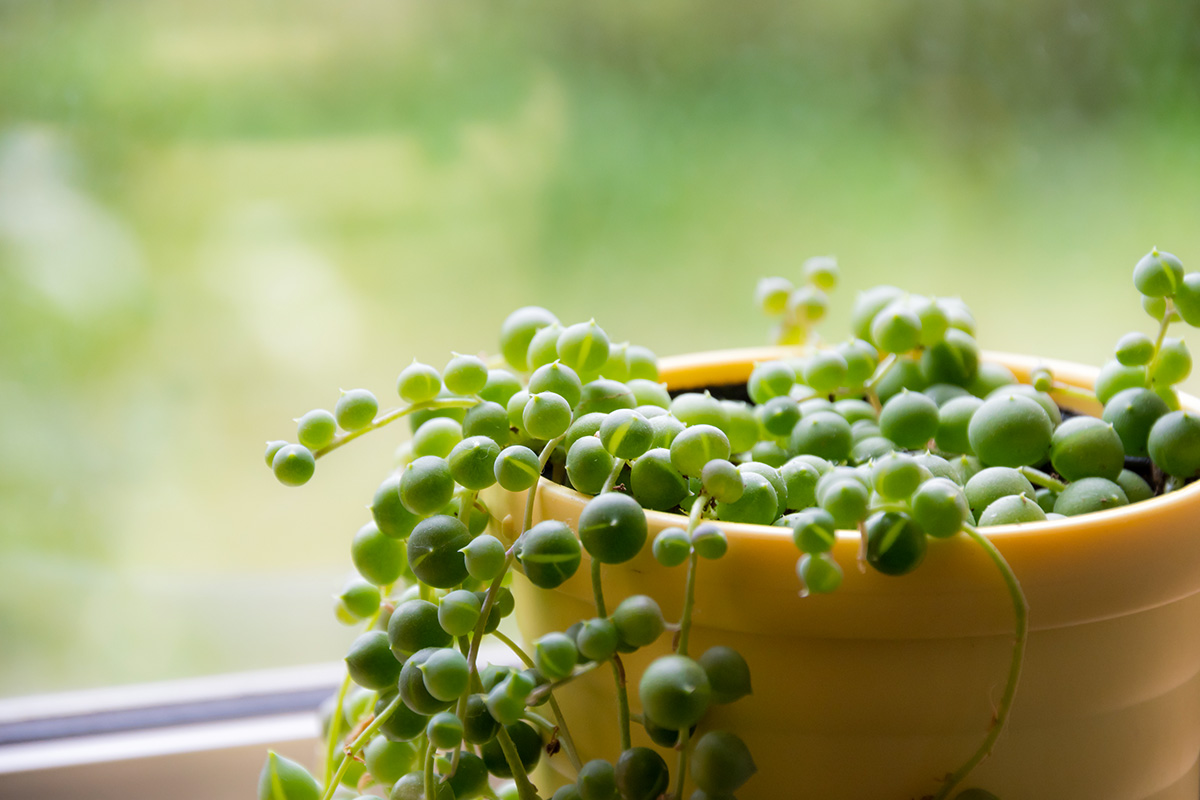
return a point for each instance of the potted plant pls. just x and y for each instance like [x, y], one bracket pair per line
[891, 534]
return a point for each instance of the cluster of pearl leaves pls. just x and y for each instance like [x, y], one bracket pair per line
[900, 431]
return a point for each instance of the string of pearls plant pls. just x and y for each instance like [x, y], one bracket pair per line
[900, 432]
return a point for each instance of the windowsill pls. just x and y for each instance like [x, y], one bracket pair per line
[204, 738]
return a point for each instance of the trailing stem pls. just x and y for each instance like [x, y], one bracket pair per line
[689, 592]
[685, 736]
[1168, 318]
[872, 387]
[547, 451]
[560, 722]
[1021, 614]
[541, 722]
[536, 696]
[611, 480]
[1070, 390]
[388, 417]
[525, 789]
[493, 591]
[430, 751]
[1039, 478]
[468, 505]
[618, 668]
[358, 743]
[685, 629]
[335, 724]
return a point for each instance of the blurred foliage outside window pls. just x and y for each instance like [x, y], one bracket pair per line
[212, 215]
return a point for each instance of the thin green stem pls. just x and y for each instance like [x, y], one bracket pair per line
[547, 451]
[1021, 615]
[681, 764]
[618, 668]
[696, 512]
[1168, 318]
[489, 600]
[460, 708]
[598, 589]
[685, 629]
[468, 504]
[430, 750]
[888, 505]
[871, 389]
[1078, 392]
[689, 594]
[568, 743]
[358, 743]
[540, 721]
[1039, 478]
[611, 480]
[689, 599]
[525, 789]
[493, 590]
[545, 689]
[861, 556]
[335, 724]
[516, 648]
[388, 417]
[560, 721]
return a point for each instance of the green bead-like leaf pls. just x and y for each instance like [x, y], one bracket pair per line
[721, 763]
[284, 779]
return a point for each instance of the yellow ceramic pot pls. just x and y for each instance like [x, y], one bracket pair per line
[877, 691]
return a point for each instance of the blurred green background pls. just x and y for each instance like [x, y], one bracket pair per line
[213, 215]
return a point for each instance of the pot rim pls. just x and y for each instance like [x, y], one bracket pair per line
[1089, 568]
